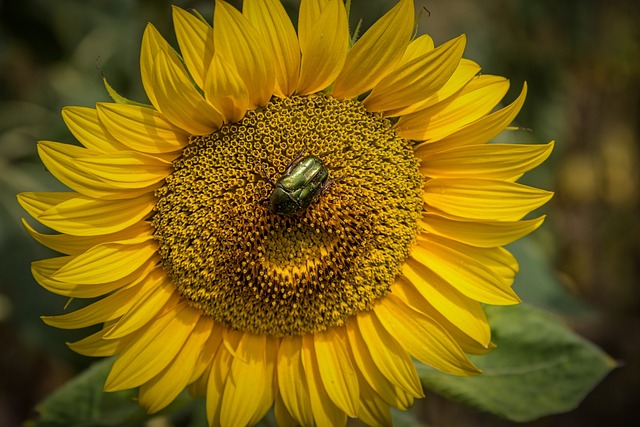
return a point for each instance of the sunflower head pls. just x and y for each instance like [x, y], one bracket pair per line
[293, 218]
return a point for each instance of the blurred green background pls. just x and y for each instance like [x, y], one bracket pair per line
[581, 59]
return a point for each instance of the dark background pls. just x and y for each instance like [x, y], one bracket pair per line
[581, 59]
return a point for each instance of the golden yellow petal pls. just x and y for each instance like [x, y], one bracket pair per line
[179, 101]
[422, 337]
[483, 199]
[325, 412]
[376, 52]
[195, 39]
[373, 410]
[240, 44]
[476, 280]
[107, 262]
[418, 79]
[85, 125]
[308, 15]
[225, 90]
[152, 43]
[390, 358]
[485, 233]
[145, 310]
[272, 22]
[480, 131]
[367, 369]
[203, 364]
[247, 382]
[149, 352]
[463, 312]
[218, 377]
[417, 48]
[336, 369]
[83, 216]
[282, 414]
[168, 384]
[292, 383]
[74, 245]
[127, 168]
[476, 100]
[489, 161]
[466, 336]
[95, 346]
[325, 50]
[141, 129]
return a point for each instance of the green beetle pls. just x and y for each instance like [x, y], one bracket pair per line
[304, 180]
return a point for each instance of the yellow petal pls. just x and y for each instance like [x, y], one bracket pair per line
[83, 216]
[105, 309]
[376, 52]
[141, 129]
[179, 101]
[74, 245]
[86, 127]
[373, 410]
[107, 263]
[476, 100]
[423, 338]
[247, 381]
[238, 42]
[282, 414]
[225, 90]
[390, 358]
[489, 161]
[370, 373]
[479, 131]
[292, 382]
[95, 346]
[152, 43]
[168, 384]
[129, 169]
[485, 234]
[325, 412]
[149, 352]
[195, 39]
[309, 13]
[143, 311]
[336, 370]
[462, 311]
[465, 273]
[417, 48]
[325, 50]
[272, 22]
[483, 199]
[203, 364]
[218, 377]
[418, 79]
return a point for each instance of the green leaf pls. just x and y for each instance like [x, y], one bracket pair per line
[538, 368]
[83, 403]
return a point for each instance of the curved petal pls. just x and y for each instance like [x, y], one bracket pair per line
[146, 354]
[218, 376]
[292, 382]
[475, 280]
[483, 199]
[141, 129]
[152, 43]
[82, 216]
[484, 234]
[423, 338]
[195, 39]
[418, 79]
[376, 52]
[325, 50]
[336, 370]
[95, 346]
[225, 90]
[475, 101]
[241, 45]
[489, 161]
[85, 125]
[272, 22]
[179, 101]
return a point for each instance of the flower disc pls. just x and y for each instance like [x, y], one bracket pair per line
[256, 271]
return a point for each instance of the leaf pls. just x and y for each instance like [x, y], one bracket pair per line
[538, 368]
[83, 403]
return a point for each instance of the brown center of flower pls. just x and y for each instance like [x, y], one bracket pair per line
[261, 272]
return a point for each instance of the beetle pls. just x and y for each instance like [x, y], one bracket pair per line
[302, 182]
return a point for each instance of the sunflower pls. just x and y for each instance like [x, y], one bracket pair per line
[390, 238]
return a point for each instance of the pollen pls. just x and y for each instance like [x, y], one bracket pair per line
[256, 271]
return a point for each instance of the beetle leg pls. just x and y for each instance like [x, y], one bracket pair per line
[295, 159]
